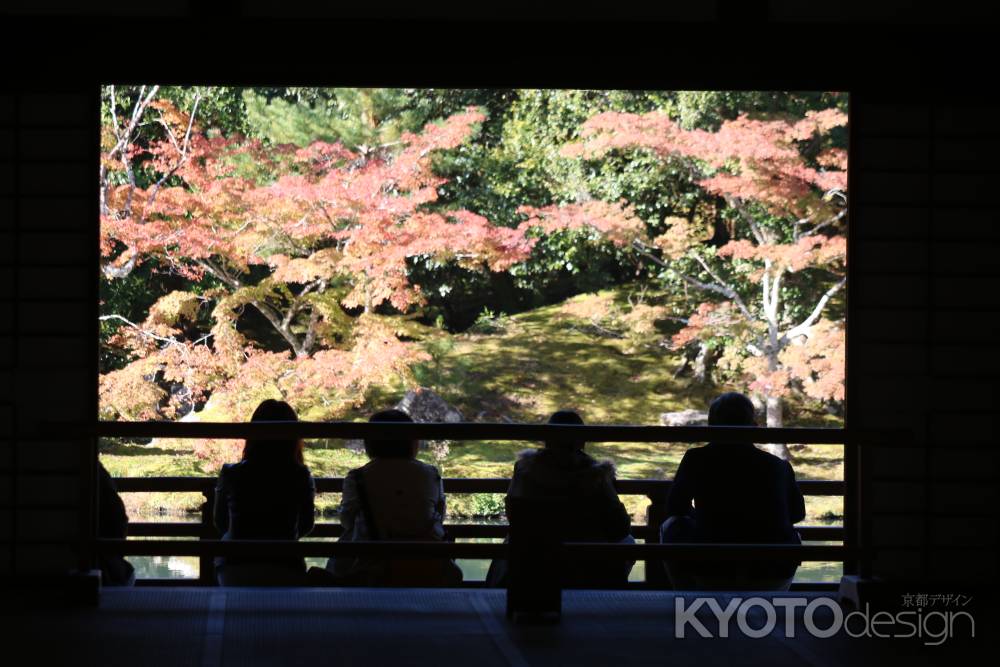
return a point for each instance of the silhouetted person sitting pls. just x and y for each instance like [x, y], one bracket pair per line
[393, 497]
[269, 495]
[112, 523]
[741, 494]
[581, 491]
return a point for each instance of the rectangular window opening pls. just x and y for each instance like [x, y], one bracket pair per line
[482, 255]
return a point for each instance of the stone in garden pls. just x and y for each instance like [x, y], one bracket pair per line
[425, 405]
[684, 418]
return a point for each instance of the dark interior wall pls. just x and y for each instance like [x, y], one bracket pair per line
[925, 229]
[47, 312]
[923, 334]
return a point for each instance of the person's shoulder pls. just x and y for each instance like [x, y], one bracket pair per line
[404, 470]
[787, 466]
[697, 459]
[526, 457]
[397, 466]
[427, 468]
[528, 460]
[230, 476]
[595, 474]
[765, 455]
[107, 483]
[606, 467]
[301, 471]
[603, 467]
[230, 469]
[778, 464]
[697, 453]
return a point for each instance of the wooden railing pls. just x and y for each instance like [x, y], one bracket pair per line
[654, 490]
[849, 551]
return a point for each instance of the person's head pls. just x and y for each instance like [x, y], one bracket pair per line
[565, 417]
[731, 409]
[288, 449]
[402, 448]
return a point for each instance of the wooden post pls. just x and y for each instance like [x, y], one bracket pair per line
[656, 514]
[534, 586]
[206, 564]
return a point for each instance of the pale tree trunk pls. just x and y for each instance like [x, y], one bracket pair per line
[772, 404]
[700, 366]
[775, 419]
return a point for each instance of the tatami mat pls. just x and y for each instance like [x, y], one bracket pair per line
[241, 627]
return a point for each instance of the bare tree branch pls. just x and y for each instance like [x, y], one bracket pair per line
[726, 288]
[111, 271]
[219, 273]
[310, 339]
[270, 313]
[827, 223]
[182, 150]
[273, 315]
[125, 136]
[145, 332]
[803, 326]
[722, 289]
[755, 229]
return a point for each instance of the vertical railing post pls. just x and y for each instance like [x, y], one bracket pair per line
[535, 563]
[656, 514]
[206, 564]
[863, 515]
[852, 526]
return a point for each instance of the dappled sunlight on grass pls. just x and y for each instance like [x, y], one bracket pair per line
[544, 365]
[818, 461]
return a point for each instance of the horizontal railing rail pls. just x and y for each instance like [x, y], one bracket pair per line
[387, 549]
[656, 490]
[473, 431]
[204, 531]
[460, 531]
[653, 488]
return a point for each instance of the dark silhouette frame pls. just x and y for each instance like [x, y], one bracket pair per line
[597, 70]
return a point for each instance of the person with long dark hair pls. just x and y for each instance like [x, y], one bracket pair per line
[268, 495]
[112, 522]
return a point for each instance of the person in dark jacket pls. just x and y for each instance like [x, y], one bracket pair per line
[586, 487]
[112, 523]
[269, 495]
[732, 492]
